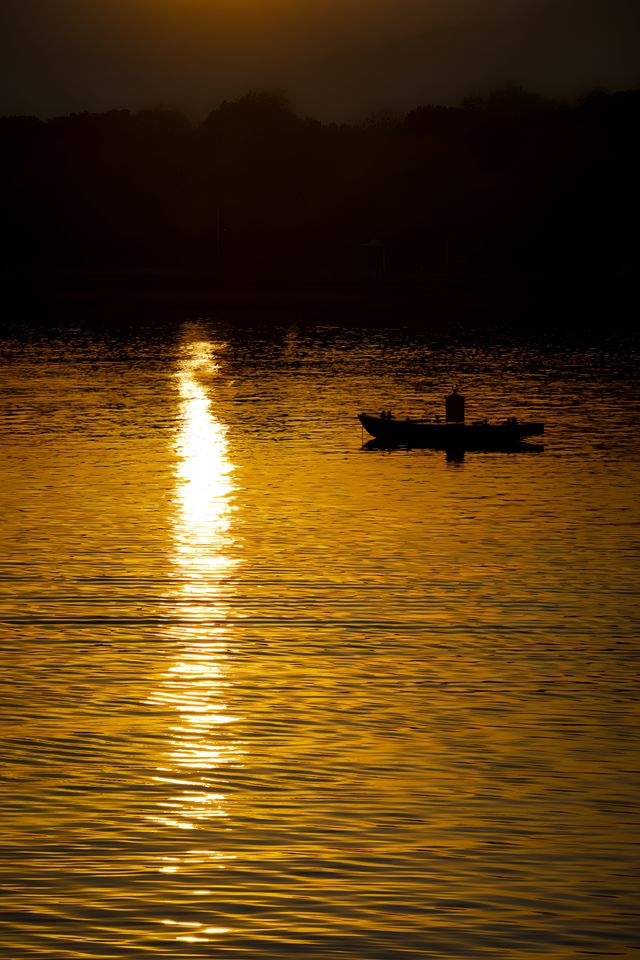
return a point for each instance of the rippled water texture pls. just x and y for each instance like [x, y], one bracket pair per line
[268, 694]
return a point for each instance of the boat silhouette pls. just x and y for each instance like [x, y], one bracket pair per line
[452, 433]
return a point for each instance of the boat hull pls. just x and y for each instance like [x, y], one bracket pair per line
[450, 436]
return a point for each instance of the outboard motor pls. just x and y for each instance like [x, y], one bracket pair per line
[454, 407]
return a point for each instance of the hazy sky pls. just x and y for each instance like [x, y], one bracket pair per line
[337, 59]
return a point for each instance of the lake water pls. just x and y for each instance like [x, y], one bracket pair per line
[268, 694]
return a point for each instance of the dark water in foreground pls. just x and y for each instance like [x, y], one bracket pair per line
[267, 694]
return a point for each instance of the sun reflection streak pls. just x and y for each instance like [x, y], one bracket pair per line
[203, 474]
[193, 688]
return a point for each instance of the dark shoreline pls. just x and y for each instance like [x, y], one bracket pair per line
[537, 304]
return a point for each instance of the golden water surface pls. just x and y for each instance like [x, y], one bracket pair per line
[267, 693]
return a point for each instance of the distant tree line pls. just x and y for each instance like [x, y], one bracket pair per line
[508, 184]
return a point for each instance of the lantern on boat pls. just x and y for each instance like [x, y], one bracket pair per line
[454, 407]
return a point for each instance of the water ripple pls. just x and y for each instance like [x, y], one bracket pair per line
[269, 695]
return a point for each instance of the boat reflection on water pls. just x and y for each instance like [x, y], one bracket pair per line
[193, 687]
[456, 454]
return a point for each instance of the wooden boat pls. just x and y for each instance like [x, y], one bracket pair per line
[507, 435]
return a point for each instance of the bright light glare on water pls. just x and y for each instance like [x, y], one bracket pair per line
[194, 684]
[203, 470]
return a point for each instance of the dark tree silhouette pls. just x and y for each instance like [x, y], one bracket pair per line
[508, 186]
